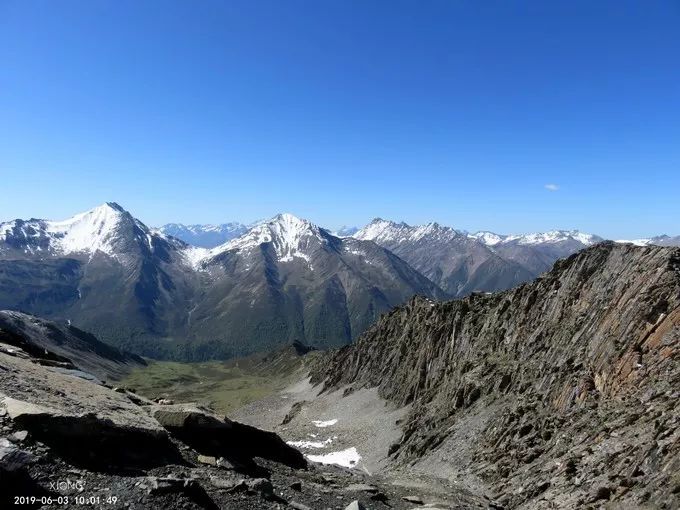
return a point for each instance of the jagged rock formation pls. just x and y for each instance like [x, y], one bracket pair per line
[564, 391]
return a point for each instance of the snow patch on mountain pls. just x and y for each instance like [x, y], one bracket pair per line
[311, 444]
[195, 256]
[348, 458]
[325, 423]
[636, 242]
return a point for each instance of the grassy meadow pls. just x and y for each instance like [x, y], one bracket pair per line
[221, 385]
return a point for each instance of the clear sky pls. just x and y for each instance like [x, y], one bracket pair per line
[505, 115]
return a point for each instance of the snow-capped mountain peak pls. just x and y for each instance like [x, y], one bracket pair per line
[550, 237]
[91, 231]
[88, 232]
[636, 242]
[291, 237]
[488, 238]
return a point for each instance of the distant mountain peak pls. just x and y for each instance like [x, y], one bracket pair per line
[204, 235]
[381, 230]
[87, 232]
[549, 237]
[289, 235]
[488, 238]
[346, 231]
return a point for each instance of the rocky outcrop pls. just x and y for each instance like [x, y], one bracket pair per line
[85, 422]
[65, 345]
[237, 443]
[568, 386]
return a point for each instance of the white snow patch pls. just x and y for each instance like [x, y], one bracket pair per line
[195, 255]
[310, 444]
[323, 424]
[348, 458]
[636, 242]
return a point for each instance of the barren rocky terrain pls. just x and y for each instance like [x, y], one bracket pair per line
[559, 393]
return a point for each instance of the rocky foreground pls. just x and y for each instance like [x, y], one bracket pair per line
[67, 439]
[561, 393]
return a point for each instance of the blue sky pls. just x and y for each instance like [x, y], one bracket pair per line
[342, 110]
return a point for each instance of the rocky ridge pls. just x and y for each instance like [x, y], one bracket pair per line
[69, 347]
[559, 392]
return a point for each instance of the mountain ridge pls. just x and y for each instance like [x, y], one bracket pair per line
[548, 391]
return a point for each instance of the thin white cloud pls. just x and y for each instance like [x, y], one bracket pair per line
[551, 187]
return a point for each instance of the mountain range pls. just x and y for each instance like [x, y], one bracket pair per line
[461, 263]
[284, 280]
[279, 281]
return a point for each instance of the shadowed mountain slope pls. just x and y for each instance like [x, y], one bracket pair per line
[64, 345]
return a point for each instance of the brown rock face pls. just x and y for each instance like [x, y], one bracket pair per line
[573, 380]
